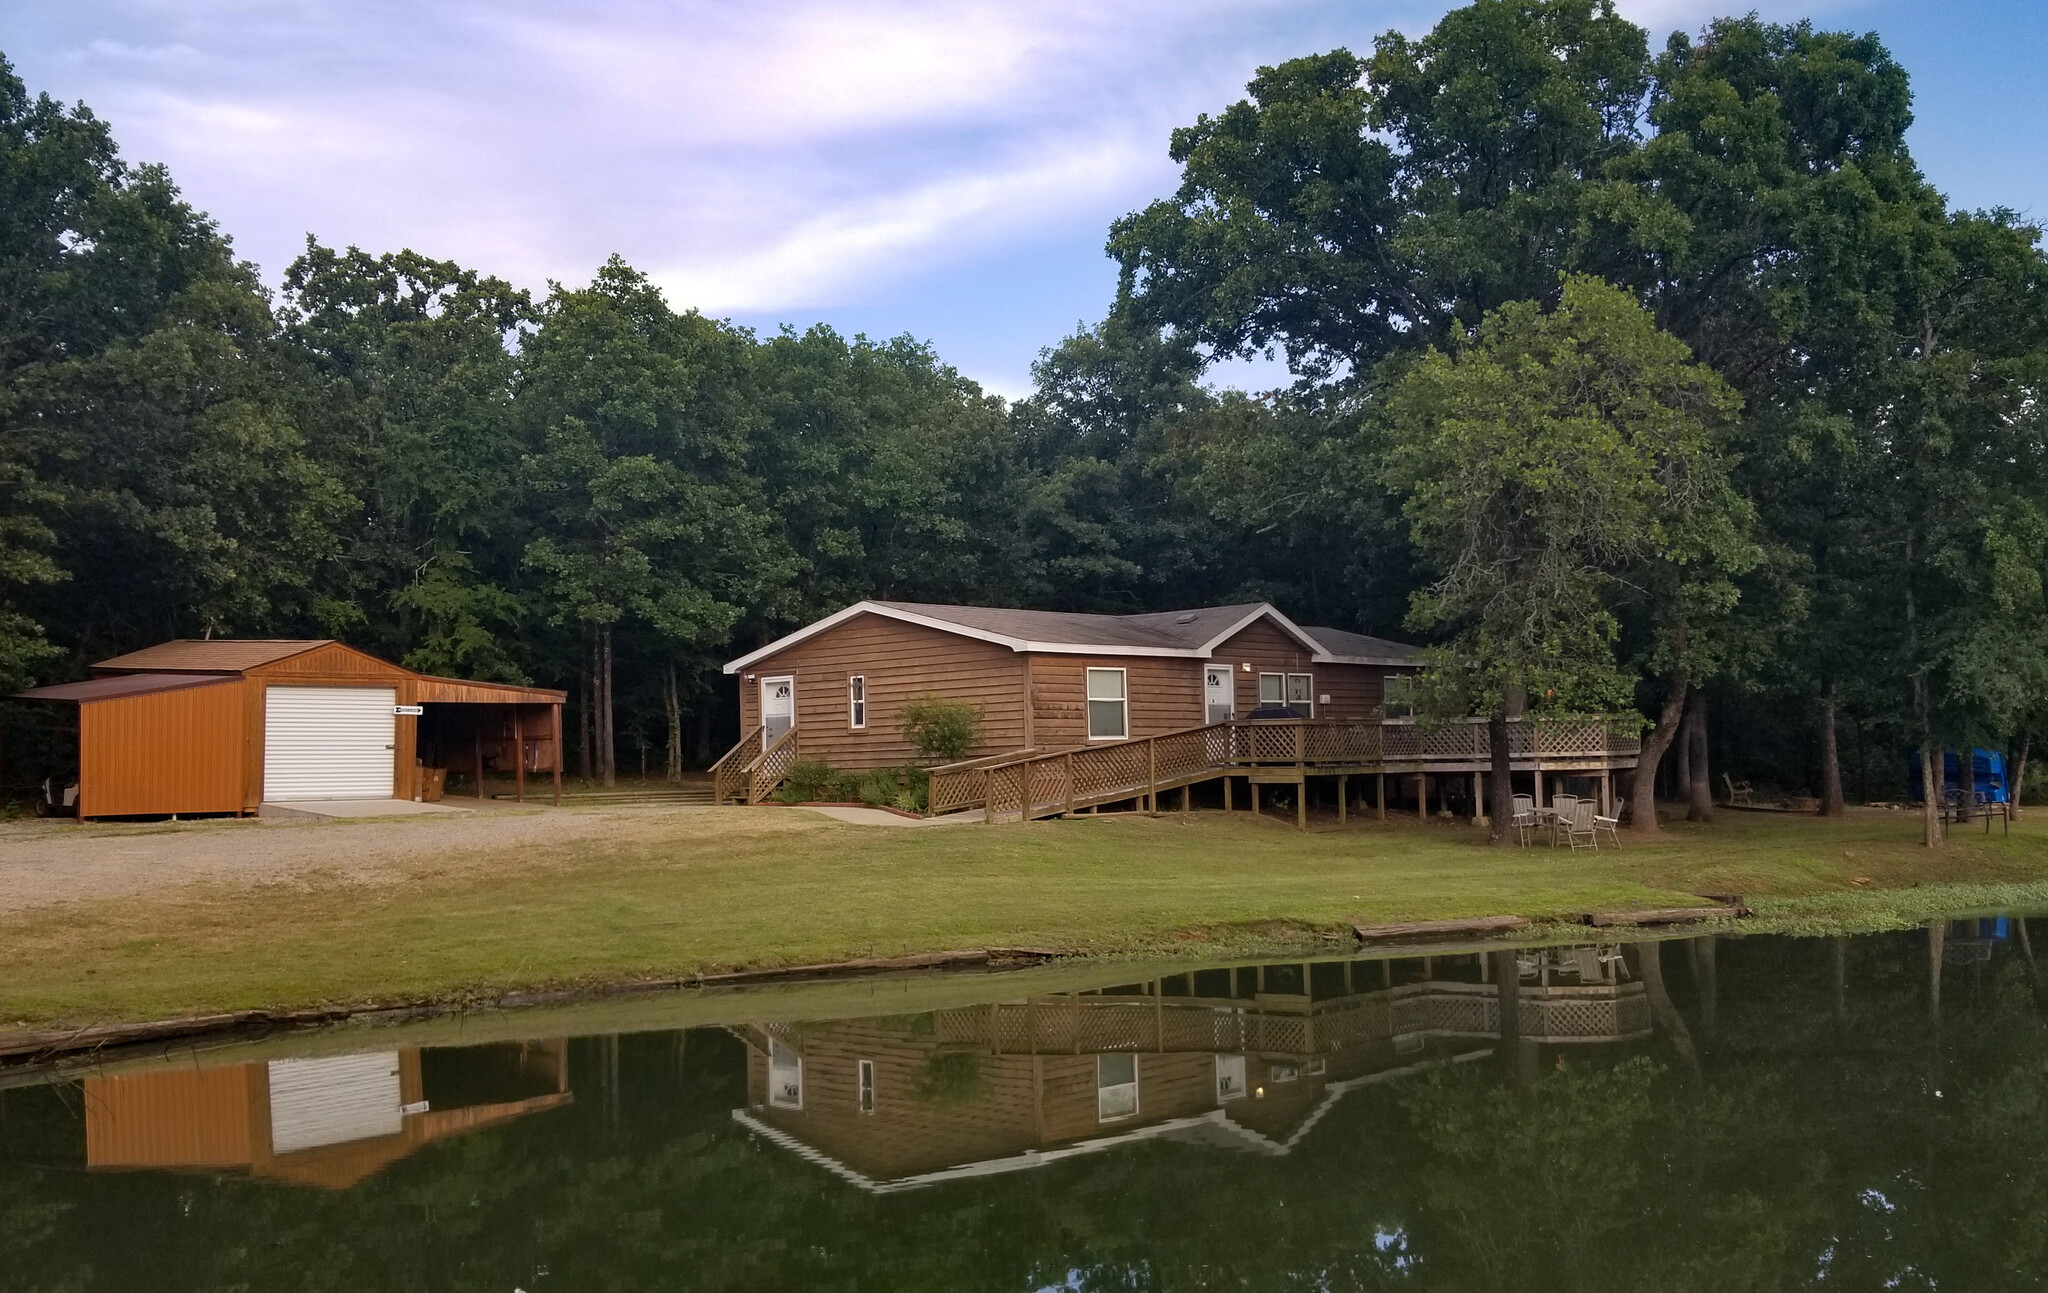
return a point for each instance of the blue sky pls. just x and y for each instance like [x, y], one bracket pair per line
[946, 170]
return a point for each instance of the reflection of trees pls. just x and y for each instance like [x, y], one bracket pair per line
[1807, 1140]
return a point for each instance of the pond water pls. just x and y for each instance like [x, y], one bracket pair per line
[1698, 1113]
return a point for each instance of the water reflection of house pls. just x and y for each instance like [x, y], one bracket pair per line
[1250, 1057]
[329, 1121]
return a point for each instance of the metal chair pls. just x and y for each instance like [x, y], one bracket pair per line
[1561, 809]
[1524, 820]
[1577, 829]
[1611, 825]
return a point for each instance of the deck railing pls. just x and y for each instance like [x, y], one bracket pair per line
[1030, 784]
[732, 773]
[773, 765]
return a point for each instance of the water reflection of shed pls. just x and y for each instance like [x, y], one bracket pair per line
[328, 1121]
[1249, 1057]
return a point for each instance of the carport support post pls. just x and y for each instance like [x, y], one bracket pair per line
[555, 732]
[518, 752]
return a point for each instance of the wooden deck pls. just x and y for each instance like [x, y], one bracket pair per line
[1029, 785]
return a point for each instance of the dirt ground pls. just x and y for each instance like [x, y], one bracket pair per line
[46, 862]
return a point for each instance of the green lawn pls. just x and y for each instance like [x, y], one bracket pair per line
[735, 887]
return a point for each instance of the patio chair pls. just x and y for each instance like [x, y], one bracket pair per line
[1588, 961]
[1561, 809]
[1610, 826]
[1577, 829]
[1524, 820]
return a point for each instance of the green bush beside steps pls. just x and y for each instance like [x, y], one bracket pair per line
[816, 781]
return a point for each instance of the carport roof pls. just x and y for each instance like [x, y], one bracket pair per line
[126, 684]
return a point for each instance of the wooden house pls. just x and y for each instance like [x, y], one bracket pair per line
[227, 725]
[1052, 679]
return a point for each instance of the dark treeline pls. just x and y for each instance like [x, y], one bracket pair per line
[1812, 385]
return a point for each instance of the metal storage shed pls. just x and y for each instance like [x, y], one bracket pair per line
[224, 726]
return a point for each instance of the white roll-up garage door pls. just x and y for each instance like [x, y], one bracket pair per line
[328, 742]
[332, 1101]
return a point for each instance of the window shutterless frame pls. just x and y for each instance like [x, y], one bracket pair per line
[1109, 705]
[857, 702]
[1116, 1085]
[1272, 689]
[1301, 693]
[867, 1086]
[1397, 696]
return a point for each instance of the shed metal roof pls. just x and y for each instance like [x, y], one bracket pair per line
[214, 655]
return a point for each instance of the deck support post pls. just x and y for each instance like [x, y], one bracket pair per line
[1187, 794]
[1070, 783]
[1301, 803]
[1343, 798]
[1226, 793]
[1539, 784]
[1606, 792]
[1255, 796]
[1422, 797]
[1380, 797]
[1152, 778]
[1478, 799]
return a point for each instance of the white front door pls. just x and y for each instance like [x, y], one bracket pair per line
[778, 708]
[329, 743]
[1216, 693]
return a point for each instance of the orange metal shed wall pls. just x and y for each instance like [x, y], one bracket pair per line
[178, 1118]
[170, 752]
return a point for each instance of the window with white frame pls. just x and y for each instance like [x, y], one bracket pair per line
[1301, 693]
[785, 1077]
[1229, 1077]
[867, 1086]
[1109, 706]
[1398, 698]
[1272, 689]
[857, 702]
[1116, 1086]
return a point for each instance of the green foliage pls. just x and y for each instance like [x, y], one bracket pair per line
[939, 729]
[1557, 454]
[816, 781]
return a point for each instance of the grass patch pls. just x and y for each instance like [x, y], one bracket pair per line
[716, 889]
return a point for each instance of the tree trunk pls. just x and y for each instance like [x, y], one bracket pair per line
[1831, 802]
[586, 695]
[1700, 783]
[1930, 756]
[704, 753]
[1503, 790]
[1681, 752]
[672, 701]
[2018, 784]
[607, 738]
[1643, 809]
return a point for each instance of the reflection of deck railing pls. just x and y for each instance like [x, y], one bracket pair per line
[750, 771]
[1026, 784]
[1089, 1025]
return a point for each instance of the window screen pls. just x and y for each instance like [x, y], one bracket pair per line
[1272, 689]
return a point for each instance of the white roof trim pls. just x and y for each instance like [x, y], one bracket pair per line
[1206, 651]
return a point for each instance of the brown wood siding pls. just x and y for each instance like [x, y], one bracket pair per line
[1354, 690]
[168, 752]
[331, 661]
[1165, 695]
[899, 661]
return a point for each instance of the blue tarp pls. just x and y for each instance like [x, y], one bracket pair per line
[1987, 773]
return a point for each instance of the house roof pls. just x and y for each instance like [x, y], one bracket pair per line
[126, 684]
[1193, 633]
[1346, 647]
[214, 655]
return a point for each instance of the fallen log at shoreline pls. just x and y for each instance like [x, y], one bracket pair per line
[1437, 928]
[1664, 916]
